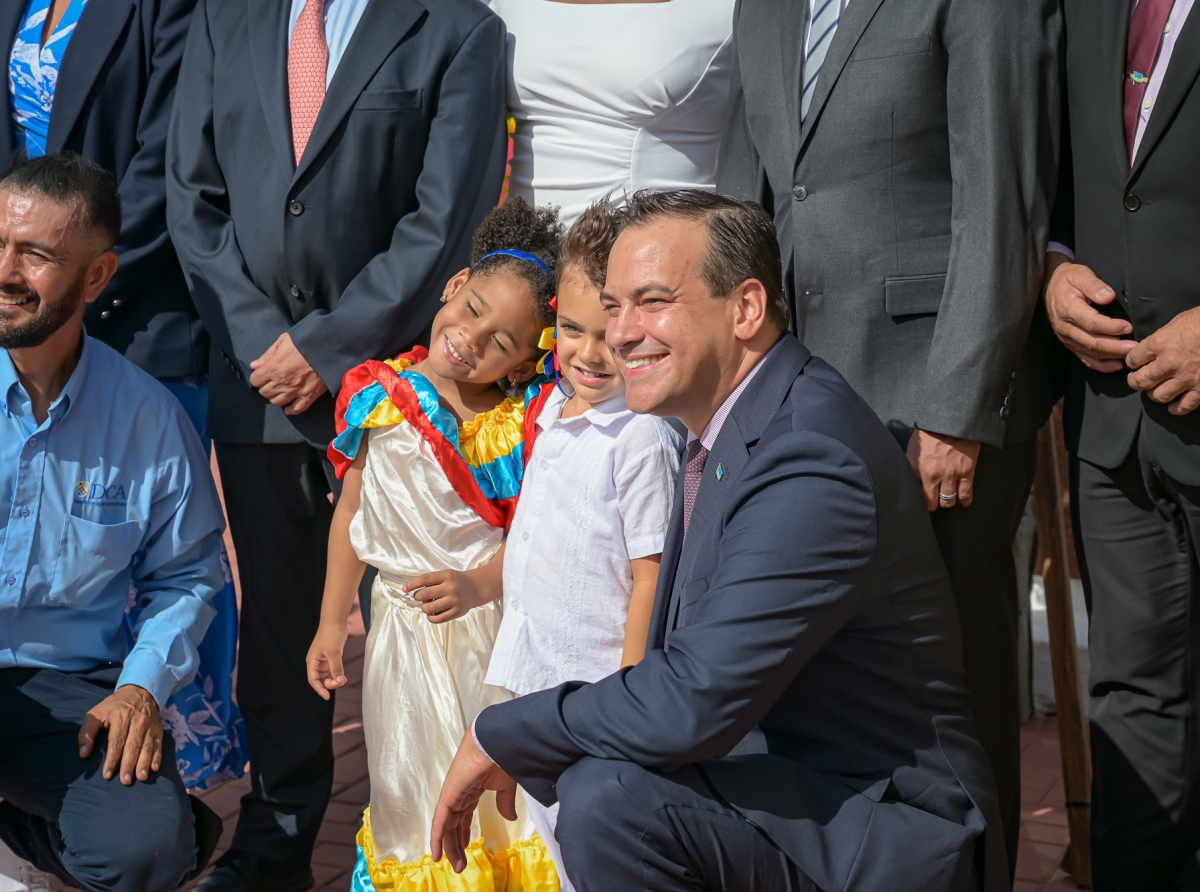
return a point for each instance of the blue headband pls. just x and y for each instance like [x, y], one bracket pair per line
[520, 255]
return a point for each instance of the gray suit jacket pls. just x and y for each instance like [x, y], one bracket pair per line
[350, 250]
[809, 602]
[912, 207]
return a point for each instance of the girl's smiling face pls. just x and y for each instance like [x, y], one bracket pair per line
[582, 353]
[487, 331]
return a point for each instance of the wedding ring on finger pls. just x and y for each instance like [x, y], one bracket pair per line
[947, 500]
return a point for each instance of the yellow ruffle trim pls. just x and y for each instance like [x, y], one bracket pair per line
[525, 866]
[493, 434]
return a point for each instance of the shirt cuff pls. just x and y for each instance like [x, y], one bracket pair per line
[479, 745]
[1060, 248]
[146, 670]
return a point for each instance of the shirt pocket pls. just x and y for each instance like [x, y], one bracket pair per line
[90, 554]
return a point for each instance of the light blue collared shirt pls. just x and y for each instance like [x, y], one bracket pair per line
[111, 493]
[341, 18]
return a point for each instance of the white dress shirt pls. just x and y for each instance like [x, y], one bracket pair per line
[597, 494]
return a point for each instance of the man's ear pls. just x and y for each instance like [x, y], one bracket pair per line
[750, 312]
[100, 271]
[455, 284]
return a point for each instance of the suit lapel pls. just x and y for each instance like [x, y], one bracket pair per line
[854, 22]
[1114, 35]
[792, 17]
[267, 21]
[670, 565]
[382, 26]
[100, 26]
[1177, 83]
[751, 414]
[12, 14]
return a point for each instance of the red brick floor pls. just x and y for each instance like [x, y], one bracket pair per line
[1043, 815]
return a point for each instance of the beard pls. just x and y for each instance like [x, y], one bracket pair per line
[49, 317]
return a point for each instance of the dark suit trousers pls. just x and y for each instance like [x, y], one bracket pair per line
[60, 814]
[622, 827]
[277, 498]
[1136, 534]
[976, 544]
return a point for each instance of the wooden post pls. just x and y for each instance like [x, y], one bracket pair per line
[1054, 526]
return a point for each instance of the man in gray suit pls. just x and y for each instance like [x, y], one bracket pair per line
[907, 150]
[800, 720]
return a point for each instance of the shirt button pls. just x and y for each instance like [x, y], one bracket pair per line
[295, 208]
[525, 536]
[32, 442]
[545, 466]
[10, 579]
[1167, 28]
[1132, 202]
[1147, 102]
[24, 512]
[800, 192]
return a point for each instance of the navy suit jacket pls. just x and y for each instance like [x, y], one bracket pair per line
[808, 608]
[349, 250]
[112, 104]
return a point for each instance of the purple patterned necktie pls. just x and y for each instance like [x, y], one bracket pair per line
[696, 456]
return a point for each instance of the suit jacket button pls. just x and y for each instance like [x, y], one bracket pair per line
[116, 303]
[1004, 412]
[800, 192]
[295, 208]
[105, 314]
[1132, 202]
[295, 291]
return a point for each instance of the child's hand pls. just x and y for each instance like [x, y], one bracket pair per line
[325, 659]
[447, 594]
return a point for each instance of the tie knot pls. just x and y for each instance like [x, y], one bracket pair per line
[696, 455]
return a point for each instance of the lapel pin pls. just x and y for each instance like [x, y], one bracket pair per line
[720, 472]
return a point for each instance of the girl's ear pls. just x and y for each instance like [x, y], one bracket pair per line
[524, 372]
[455, 284]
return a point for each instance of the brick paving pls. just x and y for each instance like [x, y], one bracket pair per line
[1043, 811]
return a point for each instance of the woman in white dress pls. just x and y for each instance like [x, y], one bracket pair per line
[614, 97]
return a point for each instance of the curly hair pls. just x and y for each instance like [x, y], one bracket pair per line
[535, 230]
[589, 242]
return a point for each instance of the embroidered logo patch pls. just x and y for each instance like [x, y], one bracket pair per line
[99, 494]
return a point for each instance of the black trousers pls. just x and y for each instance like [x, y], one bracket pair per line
[976, 544]
[277, 498]
[1136, 535]
[622, 827]
[61, 815]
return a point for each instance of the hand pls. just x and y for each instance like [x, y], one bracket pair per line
[470, 774]
[1071, 291]
[135, 733]
[324, 659]
[1168, 364]
[285, 378]
[944, 465]
[449, 594]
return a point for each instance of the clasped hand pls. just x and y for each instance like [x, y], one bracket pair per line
[284, 377]
[1166, 364]
[135, 733]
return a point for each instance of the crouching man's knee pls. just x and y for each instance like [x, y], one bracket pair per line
[601, 816]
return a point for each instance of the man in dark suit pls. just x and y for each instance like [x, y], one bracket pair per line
[799, 721]
[1123, 294]
[111, 103]
[327, 166]
[906, 151]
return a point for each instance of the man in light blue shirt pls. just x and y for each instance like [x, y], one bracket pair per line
[104, 497]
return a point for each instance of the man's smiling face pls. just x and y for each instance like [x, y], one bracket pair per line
[43, 263]
[673, 336]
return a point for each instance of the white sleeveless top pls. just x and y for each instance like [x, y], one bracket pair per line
[614, 97]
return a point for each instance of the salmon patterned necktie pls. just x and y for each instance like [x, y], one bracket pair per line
[307, 61]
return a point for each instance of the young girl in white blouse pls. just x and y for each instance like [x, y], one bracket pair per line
[583, 553]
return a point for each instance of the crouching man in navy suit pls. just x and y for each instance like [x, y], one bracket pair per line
[800, 721]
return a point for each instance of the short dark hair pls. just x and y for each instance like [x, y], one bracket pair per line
[742, 243]
[589, 241]
[519, 225]
[67, 178]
